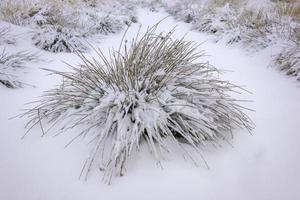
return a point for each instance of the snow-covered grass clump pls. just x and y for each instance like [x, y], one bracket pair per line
[106, 25]
[15, 12]
[60, 25]
[288, 60]
[153, 91]
[238, 22]
[59, 39]
[273, 23]
[12, 62]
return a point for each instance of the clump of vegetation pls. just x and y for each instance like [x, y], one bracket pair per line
[288, 60]
[10, 63]
[57, 16]
[236, 22]
[14, 12]
[288, 9]
[107, 25]
[59, 39]
[153, 91]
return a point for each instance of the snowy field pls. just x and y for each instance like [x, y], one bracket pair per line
[261, 166]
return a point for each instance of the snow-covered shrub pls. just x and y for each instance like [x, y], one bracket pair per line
[37, 12]
[91, 3]
[256, 28]
[10, 63]
[106, 25]
[268, 26]
[222, 3]
[123, 10]
[50, 15]
[152, 5]
[14, 12]
[59, 39]
[151, 92]
[184, 10]
[218, 21]
[288, 60]
[109, 25]
[60, 20]
[234, 21]
[58, 30]
[291, 10]
[211, 17]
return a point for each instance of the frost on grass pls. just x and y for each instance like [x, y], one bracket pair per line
[108, 25]
[10, 65]
[288, 60]
[253, 27]
[151, 92]
[259, 27]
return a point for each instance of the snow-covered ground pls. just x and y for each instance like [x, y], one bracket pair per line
[261, 166]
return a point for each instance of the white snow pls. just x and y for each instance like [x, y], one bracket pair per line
[262, 166]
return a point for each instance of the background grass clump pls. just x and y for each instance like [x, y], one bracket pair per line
[62, 24]
[11, 63]
[254, 27]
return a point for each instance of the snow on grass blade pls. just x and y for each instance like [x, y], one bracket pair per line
[10, 63]
[234, 21]
[5, 36]
[58, 39]
[151, 91]
[288, 60]
[61, 26]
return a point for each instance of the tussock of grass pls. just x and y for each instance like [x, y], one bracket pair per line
[233, 22]
[221, 3]
[108, 25]
[14, 11]
[153, 91]
[285, 9]
[288, 60]
[59, 39]
[48, 17]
